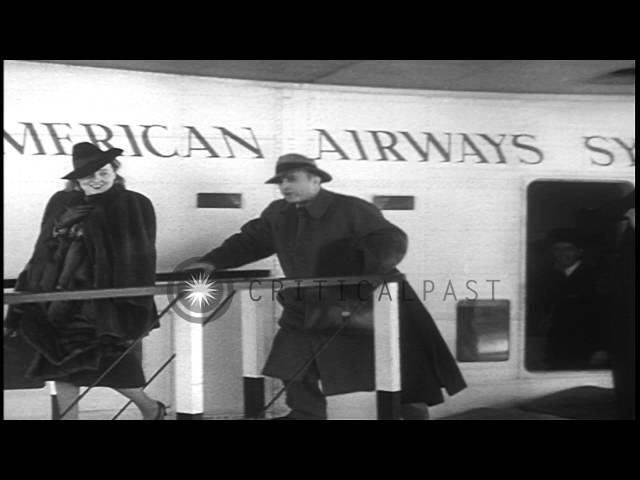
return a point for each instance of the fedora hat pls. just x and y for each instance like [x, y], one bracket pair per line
[294, 161]
[567, 235]
[87, 158]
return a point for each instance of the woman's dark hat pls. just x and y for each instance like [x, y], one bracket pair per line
[87, 158]
[295, 161]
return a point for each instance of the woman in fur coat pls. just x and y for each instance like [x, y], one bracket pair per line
[95, 234]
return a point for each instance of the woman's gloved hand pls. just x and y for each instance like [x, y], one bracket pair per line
[73, 215]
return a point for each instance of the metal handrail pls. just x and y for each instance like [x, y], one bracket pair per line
[165, 287]
[172, 276]
[240, 281]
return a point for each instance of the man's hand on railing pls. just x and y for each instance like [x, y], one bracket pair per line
[207, 267]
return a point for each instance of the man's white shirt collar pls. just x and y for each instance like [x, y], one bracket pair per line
[572, 268]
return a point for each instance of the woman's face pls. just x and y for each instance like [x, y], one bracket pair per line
[99, 181]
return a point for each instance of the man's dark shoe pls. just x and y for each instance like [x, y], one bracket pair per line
[297, 417]
[284, 417]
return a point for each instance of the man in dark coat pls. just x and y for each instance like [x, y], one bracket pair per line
[616, 221]
[574, 305]
[317, 233]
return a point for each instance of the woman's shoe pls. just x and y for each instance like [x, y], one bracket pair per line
[162, 411]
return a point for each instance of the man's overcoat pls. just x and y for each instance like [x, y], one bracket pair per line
[337, 235]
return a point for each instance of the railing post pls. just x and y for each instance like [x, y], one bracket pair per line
[189, 380]
[387, 350]
[53, 395]
[252, 355]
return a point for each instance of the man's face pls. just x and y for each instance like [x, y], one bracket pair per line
[299, 186]
[566, 254]
[99, 181]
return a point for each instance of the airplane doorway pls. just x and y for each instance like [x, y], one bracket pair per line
[567, 326]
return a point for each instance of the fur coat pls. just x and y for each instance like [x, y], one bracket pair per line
[112, 247]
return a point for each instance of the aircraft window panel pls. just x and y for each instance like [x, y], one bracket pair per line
[219, 200]
[394, 202]
[482, 331]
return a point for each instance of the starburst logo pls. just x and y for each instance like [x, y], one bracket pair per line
[200, 296]
[201, 291]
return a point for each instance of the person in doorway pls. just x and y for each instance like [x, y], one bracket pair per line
[94, 234]
[573, 304]
[319, 233]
